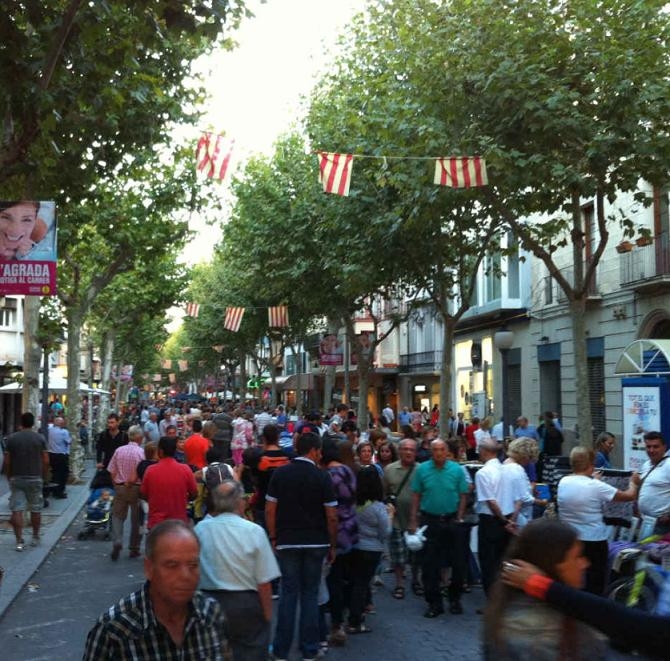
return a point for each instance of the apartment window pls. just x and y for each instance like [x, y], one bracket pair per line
[548, 290]
[493, 286]
[514, 385]
[595, 350]
[7, 318]
[513, 286]
[549, 358]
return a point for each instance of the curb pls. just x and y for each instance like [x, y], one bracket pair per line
[17, 572]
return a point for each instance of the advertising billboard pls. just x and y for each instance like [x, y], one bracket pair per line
[28, 248]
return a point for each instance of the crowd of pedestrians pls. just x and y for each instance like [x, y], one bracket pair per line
[309, 512]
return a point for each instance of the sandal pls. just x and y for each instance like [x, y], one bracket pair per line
[398, 593]
[417, 589]
[361, 628]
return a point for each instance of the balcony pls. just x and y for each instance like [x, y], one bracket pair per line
[646, 269]
[553, 293]
[421, 363]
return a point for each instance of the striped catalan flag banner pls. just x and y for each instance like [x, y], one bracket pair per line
[166, 364]
[462, 172]
[193, 309]
[278, 316]
[183, 365]
[212, 155]
[335, 172]
[233, 319]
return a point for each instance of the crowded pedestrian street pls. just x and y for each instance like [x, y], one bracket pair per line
[334, 329]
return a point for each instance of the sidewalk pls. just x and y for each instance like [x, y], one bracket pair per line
[19, 567]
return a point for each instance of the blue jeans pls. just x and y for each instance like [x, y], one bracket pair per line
[300, 578]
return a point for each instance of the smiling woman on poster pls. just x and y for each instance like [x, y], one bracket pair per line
[27, 231]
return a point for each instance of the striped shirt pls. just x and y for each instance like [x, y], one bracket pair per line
[123, 465]
[130, 631]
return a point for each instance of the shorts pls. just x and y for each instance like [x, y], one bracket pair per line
[398, 551]
[25, 492]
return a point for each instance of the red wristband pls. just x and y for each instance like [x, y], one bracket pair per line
[537, 586]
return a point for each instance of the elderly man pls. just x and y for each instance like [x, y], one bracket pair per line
[397, 476]
[166, 619]
[26, 465]
[237, 567]
[123, 468]
[439, 488]
[496, 509]
[151, 430]
[59, 456]
[654, 498]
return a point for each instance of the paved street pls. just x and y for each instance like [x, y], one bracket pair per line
[54, 611]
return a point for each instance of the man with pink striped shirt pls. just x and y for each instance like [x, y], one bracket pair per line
[123, 468]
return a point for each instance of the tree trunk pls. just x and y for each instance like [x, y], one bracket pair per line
[32, 355]
[448, 326]
[363, 369]
[74, 324]
[106, 380]
[577, 305]
[243, 378]
[582, 398]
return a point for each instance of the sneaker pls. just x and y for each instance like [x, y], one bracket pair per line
[323, 649]
[20, 545]
[378, 580]
[337, 637]
[35, 541]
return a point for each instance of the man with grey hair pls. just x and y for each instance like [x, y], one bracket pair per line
[497, 510]
[123, 468]
[166, 618]
[237, 566]
[58, 444]
[439, 488]
[397, 476]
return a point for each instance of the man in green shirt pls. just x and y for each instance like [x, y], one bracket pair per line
[438, 496]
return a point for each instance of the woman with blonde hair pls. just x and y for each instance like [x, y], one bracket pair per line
[520, 453]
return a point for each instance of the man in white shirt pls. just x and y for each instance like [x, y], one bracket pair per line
[654, 498]
[237, 567]
[497, 512]
[388, 414]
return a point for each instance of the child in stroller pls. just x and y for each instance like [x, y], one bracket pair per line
[99, 507]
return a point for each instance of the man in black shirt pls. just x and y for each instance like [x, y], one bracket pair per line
[301, 520]
[109, 440]
[263, 462]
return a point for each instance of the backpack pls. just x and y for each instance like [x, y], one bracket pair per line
[216, 473]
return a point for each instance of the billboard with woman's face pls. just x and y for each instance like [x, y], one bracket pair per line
[28, 248]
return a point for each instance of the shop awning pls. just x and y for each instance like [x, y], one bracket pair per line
[57, 385]
[644, 357]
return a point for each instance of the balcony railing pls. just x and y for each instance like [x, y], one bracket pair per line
[645, 262]
[425, 361]
[552, 292]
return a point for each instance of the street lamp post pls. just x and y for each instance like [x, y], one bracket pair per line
[503, 340]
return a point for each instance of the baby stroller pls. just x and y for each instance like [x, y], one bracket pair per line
[99, 507]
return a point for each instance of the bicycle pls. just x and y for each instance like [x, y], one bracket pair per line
[643, 587]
